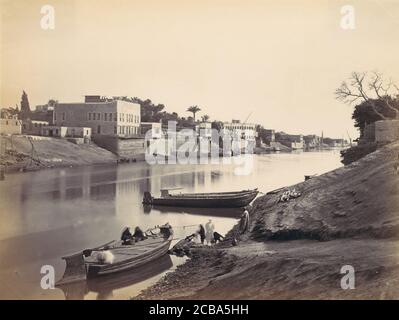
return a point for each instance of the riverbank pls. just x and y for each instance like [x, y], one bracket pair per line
[295, 249]
[50, 152]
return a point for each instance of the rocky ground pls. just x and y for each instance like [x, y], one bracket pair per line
[296, 249]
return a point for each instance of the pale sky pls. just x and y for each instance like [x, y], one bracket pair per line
[280, 60]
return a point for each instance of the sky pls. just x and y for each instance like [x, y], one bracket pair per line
[276, 62]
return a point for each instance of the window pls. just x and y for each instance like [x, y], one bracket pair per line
[99, 129]
[55, 116]
[105, 117]
[115, 129]
[89, 116]
[110, 117]
[63, 116]
[115, 117]
[98, 116]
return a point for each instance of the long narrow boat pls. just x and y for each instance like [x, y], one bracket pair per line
[91, 262]
[235, 199]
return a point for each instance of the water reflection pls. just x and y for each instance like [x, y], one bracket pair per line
[105, 286]
[48, 214]
[211, 212]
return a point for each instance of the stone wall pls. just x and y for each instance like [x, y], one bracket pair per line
[132, 149]
[386, 130]
[10, 126]
[369, 132]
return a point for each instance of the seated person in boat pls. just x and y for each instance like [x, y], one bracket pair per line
[166, 230]
[127, 237]
[138, 234]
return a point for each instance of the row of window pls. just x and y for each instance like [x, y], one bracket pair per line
[62, 115]
[128, 130]
[11, 123]
[123, 117]
[240, 127]
[98, 116]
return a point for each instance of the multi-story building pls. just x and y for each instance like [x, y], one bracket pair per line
[105, 117]
[9, 126]
[243, 132]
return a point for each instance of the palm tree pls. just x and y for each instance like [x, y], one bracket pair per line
[205, 118]
[193, 110]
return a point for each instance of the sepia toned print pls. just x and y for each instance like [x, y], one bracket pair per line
[205, 150]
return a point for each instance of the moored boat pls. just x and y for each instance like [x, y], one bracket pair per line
[235, 199]
[115, 256]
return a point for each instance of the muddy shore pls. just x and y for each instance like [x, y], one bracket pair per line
[296, 249]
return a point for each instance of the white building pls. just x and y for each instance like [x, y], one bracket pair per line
[245, 133]
[152, 129]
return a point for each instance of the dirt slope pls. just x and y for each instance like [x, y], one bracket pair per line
[52, 152]
[295, 250]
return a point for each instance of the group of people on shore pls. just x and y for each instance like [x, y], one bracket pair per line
[209, 236]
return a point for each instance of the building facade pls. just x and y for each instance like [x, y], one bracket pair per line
[33, 127]
[10, 126]
[293, 141]
[105, 117]
[155, 129]
[244, 133]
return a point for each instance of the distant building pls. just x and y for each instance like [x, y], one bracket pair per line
[105, 117]
[204, 130]
[269, 136]
[312, 141]
[293, 141]
[155, 129]
[66, 132]
[9, 126]
[246, 132]
[44, 108]
[33, 127]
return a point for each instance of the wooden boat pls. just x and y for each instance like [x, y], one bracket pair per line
[91, 262]
[235, 199]
[105, 286]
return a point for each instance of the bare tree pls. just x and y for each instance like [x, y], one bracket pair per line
[362, 86]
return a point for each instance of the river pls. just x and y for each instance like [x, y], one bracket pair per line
[50, 213]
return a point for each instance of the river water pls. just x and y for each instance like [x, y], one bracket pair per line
[47, 214]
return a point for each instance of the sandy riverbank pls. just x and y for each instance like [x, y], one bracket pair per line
[295, 250]
[51, 153]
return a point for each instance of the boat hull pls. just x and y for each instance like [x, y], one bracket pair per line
[95, 270]
[222, 201]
